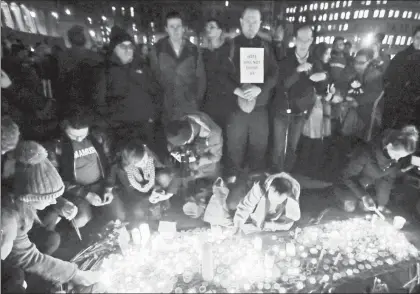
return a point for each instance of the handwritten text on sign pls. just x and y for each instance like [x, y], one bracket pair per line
[252, 65]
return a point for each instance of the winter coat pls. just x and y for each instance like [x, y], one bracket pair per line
[61, 155]
[294, 91]
[125, 93]
[270, 68]
[182, 78]
[338, 63]
[255, 205]
[219, 101]
[370, 166]
[24, 253]
[211, 147]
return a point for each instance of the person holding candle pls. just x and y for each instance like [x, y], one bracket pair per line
[141, 181]
[271, 204]
[375, 165]
[37, 185]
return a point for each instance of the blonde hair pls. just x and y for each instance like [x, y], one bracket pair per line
[407, 138]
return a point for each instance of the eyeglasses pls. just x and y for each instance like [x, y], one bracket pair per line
[126, 47]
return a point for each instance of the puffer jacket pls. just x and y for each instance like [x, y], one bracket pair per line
[254, 207]
[370, 166]
[24, 253]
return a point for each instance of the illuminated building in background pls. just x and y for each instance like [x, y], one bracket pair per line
[358, 21]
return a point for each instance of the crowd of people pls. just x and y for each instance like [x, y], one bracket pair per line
[120, 134]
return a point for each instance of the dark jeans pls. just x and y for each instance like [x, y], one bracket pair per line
[289, 126]
[247, 140]
[12, 279]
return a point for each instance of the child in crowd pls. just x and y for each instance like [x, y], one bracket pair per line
[37, 185]
[142, 182]
[271, 204]
[375, 165]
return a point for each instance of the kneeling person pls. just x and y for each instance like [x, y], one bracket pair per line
[272, 204]
[198, 134]
[81, 156]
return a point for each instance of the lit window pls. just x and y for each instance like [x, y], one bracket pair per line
[324, 18]
[367, 3]
[322, 6]
[123, 10]
[343, 15]
[331, 16]
[314, 18]
[332, 5]
[317, 40]
[345, 27]
[340, 27]
[329, 27]
[306, 7]
[321, 39]
[384, 2]
[320, 17]
[375, 13]
[366, 14]
[356, 14]
[403, 38]
[327, 39]
[409, 14]
[348, 15]
[287, 10]
[316, 6]
[385, 39]
[301, 9]
[326, 5]
[409, 40]
[390, 39]
[404, 15]
[378, 2]
[397, 41]
[349, 3]
[416, 15]
[344, 3]
[382, 13]
[319, 28]
[132, 11]
[363, 2]
[311, 7]
[397, 13]
[337, 4]
[391, 13]
[336, 16]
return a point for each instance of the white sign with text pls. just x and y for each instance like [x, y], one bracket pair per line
[252, 65]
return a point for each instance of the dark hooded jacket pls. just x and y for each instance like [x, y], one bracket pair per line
[125, 93]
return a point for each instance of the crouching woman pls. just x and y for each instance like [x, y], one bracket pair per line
[373, 168]
[271, 204]
[37, 184]
[137, 175]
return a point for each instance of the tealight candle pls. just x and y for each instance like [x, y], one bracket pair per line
[258, 243]
[290, 249]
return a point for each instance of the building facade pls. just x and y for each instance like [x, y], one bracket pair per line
[358, 21]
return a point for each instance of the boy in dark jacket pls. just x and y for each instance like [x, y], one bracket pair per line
[82, 157]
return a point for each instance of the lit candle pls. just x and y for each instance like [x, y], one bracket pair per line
[290, 249]
[258, 243]
[207, 268]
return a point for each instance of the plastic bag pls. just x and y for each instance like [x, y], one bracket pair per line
[217, 212]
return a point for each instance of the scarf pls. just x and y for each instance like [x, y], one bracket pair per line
[137, 176]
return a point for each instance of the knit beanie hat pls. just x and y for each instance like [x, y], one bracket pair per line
[9, 134]
[36, 179]
[118, 35]
[76, 35]
[178, 133]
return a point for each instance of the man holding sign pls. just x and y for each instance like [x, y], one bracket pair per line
[252, 79]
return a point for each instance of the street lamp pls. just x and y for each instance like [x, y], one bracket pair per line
[89, 20]
[67, 11]
[33, 13]
[103, 18]
[54, 14]
[226, 3]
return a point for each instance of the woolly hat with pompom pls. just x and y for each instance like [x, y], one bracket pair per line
[36, 179]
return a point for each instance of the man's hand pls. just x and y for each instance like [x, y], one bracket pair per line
[252, 92]
[368, 202]
[94, 199]
[304, 67]
[69, 210]
[108, 197]
[331, 89]
[5, 80]
[337, 98]
[86, 278]
[239, 92]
